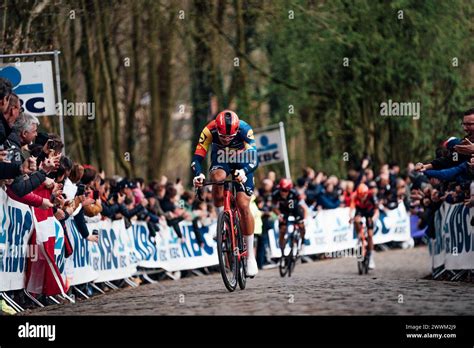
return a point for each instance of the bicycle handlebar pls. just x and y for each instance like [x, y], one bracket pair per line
[198, 190]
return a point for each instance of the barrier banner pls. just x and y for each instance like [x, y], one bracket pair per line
[392, 226]
[454, 243]
[436, 246]
[111, 255]
[16, 226]
[329, 231]
[168, 253]
[79, 264]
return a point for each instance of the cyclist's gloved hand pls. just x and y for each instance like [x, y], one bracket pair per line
[198, 180]
[240, 175]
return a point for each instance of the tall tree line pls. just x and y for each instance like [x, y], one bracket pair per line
[158, 71]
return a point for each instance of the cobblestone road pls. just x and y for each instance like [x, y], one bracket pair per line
[329, 287]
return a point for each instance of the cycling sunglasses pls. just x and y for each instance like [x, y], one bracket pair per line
[227, 137]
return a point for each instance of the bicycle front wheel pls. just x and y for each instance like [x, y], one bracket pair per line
[284, 263]
[360, 254]
[243, 260]
[293, 254]
[228, 261]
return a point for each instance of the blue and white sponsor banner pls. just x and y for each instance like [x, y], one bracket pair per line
[269, 147]
[329, 231]
[454, 243]
[169, 253]
[16, 226]
[79, 265]
[111, 255]
[436, 246]
[33, 82]
[392, 226]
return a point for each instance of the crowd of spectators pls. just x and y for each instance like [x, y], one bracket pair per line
[32, 163]
[447, 178]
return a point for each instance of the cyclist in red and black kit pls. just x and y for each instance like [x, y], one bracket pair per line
[365, 204]
[286, 202]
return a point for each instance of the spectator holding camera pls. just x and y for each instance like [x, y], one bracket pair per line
[23, 134]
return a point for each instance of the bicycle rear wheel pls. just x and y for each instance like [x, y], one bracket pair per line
[228, 261]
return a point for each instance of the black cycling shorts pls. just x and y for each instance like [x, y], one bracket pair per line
[297, 213]
[368, 214]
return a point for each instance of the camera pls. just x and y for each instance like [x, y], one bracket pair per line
[51, 144]
[81, 188]
[9, 155]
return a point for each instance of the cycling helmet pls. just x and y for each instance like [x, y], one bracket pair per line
[362, 190]
[286, 184]
[227, 123]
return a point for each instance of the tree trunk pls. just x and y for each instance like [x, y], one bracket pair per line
[201, 78]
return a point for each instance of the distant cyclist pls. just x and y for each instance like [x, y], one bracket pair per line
[287, 202]
[233, 151]
[365, 204]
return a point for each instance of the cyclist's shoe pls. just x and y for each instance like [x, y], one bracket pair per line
[371, 261]
[252, 268]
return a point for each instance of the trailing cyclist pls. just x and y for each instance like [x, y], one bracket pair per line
[365, 204]
[286, 203]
